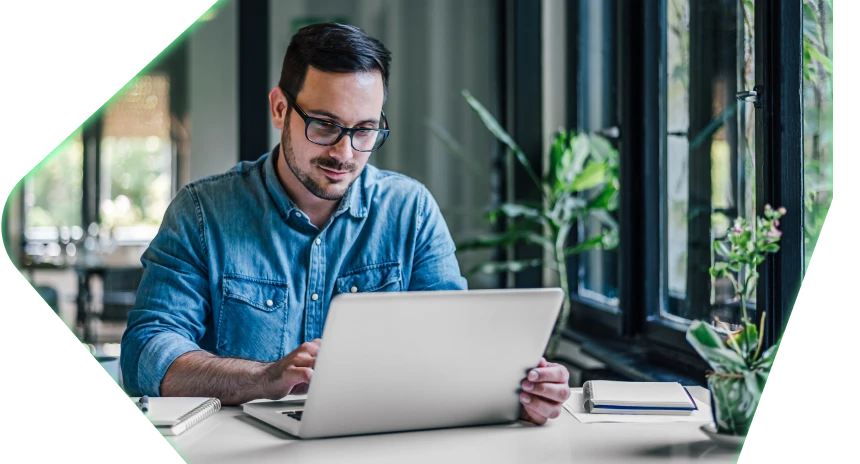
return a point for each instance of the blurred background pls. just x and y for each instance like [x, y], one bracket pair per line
[657, 79]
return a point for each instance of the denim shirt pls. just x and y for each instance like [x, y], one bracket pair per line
[238, 270]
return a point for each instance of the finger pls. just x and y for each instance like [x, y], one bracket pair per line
[303, 359]
[297, 375]
[558, 392]
[551, 373]
[309, 347]
[542, 362]
[540, 408]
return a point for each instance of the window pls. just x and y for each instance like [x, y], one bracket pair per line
[136, 160]
[817, 118]
[597, 113]
[128, 151]
[53, 198]
[698, 149]
[708, 171]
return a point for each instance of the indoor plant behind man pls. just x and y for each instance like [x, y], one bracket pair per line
[237, 282]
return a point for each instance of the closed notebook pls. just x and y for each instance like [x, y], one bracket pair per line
[174, 415]
[613, 397]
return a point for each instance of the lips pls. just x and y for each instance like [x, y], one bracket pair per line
[333, 174]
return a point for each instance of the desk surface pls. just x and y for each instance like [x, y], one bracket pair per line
[231, 436]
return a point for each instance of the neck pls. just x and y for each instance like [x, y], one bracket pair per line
[318, 210]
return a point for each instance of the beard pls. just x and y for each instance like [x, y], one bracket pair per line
[330, 190]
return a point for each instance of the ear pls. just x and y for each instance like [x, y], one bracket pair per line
[278, 107]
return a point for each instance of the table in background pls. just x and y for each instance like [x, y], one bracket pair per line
[230, 436]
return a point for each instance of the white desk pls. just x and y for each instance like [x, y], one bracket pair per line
[230, 436]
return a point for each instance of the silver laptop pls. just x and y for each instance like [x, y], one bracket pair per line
[392, 362]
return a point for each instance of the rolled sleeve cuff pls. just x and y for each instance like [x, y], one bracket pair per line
[157, 357]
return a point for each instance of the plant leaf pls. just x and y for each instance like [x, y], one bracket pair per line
[514, 210]
[603, 150]
[721, 248]
[496, 129]
[495, 267]
[591, 176]
[607, 198]
[811, 27]
[588, 244]
[816, 54]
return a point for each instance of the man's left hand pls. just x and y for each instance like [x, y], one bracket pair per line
[543, 391]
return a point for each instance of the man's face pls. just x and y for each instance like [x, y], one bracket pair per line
[351, 100]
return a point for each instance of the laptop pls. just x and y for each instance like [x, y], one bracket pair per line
[406, 361]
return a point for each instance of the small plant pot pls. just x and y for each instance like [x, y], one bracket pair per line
[732, 404]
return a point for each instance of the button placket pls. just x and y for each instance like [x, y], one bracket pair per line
[316, 282]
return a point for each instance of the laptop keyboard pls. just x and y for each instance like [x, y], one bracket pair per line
[297, 415]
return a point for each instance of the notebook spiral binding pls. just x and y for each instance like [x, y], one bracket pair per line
[199, 413]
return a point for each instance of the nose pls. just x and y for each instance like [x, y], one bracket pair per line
[342, 150]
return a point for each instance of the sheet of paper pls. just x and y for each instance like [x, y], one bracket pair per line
[573, 405]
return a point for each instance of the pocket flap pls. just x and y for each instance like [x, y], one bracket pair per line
[265, 295]
[369, 278]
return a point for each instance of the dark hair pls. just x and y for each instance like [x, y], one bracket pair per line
[332, 47]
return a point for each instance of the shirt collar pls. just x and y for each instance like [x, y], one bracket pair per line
[355, 200]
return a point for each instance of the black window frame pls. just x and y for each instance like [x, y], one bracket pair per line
[636, 325]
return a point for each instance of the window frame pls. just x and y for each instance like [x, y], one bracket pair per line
[779, 179]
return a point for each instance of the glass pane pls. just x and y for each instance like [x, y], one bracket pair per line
[709, 173]
[597, 88]
[53, 195]
[817, 118]
[136, 160]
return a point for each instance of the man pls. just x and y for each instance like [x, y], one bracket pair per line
[238, 280]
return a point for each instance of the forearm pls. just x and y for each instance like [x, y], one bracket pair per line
[202, 374]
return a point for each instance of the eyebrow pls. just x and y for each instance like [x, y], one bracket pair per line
[337, 119]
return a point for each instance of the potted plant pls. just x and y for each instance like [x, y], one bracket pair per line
[740, 367]
[581, 182]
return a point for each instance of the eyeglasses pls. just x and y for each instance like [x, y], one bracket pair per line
[328, 133]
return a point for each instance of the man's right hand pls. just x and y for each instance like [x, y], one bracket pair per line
[292, 373]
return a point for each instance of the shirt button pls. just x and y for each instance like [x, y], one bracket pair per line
[269, 303]
[318, 241]
[353, 289]
[315, 297]
[298, 214]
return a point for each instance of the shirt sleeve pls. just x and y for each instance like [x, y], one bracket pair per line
[173, 300]
[435, 266]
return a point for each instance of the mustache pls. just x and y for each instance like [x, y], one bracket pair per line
[334, 165]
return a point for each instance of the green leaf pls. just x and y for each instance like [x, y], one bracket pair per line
[495, 267]
[770, 248]
[765, 361]
[703, 335]
[754, 382]
[816, 54]
[603, 150]
[589, 244]
[605, 218]
[811, 27]
[721, 248]
[514, 210]
[488, 241]
[607, 199]
[496, 129]
[591, 176]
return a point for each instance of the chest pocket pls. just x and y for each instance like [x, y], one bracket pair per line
[385, 277]
[253, 316]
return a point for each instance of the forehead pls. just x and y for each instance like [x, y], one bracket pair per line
[351, 96]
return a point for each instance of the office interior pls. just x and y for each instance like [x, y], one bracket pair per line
[674, 88]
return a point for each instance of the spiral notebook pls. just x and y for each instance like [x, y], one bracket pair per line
[174, 415]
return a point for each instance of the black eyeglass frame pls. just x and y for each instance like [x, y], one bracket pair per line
[343, 129]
